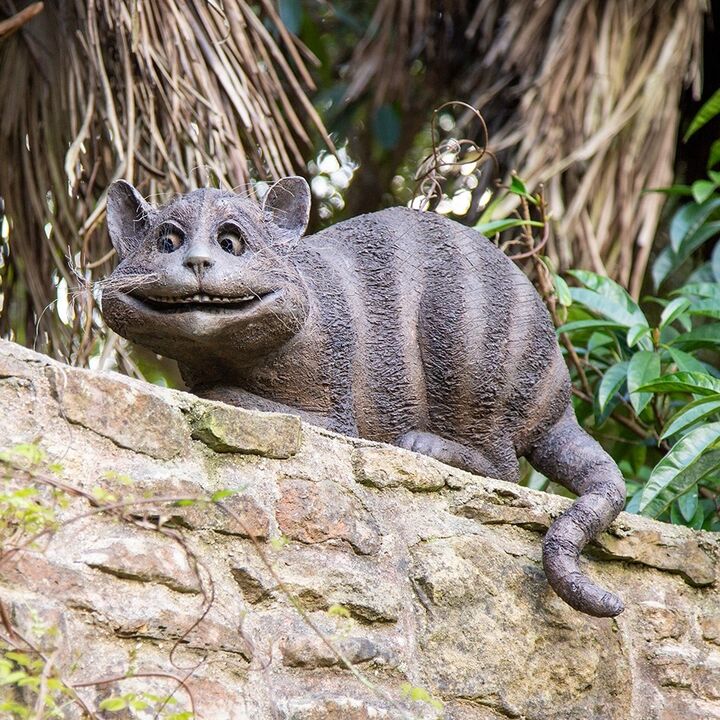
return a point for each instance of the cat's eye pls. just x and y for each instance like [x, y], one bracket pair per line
[231, 239]
[170, 238]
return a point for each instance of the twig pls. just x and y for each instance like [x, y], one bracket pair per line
[15, 22]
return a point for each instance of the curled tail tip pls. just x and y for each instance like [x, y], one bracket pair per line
[583, 595]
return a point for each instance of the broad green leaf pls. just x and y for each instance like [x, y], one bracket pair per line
[691, 413]
[588, 324]
[671, 312]
[702, 190]
[715, 262]
[688, 461]
[688, 504]
[688, 222]
[611, 299]
[643, 368]
[605, 306]
[598, 340]
[637, 333]
[497, 226]
[700, 337]
[694, 383]
[611, 383]
[707, 112]
[680, 516]
[702, 274]
[706, 290]
[562, 291]
[664, 264]
[714, 155]
[706, 308]
[686, 362]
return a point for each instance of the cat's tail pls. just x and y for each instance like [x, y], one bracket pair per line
[568, 455]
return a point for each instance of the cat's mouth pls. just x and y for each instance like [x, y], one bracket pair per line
[204, 303]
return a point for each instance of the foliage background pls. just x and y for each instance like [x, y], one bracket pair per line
[586, 101]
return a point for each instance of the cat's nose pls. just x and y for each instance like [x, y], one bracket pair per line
[198, 260]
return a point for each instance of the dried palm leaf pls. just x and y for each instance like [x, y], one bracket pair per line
[582, 96]
[168, 94]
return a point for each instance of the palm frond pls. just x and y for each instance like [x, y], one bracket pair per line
[171, 95]
[581, 96]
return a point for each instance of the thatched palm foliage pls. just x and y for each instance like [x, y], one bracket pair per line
[167, 94]
[582, 96]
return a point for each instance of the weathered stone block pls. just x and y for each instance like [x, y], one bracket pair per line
[230, 429]
[145, 557]
[313, 512]
[132, 418]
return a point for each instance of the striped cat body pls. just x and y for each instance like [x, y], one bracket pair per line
[397, 326]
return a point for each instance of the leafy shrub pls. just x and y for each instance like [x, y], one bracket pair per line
[648, 389]
[650, 395]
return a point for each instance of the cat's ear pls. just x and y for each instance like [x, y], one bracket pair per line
[127, 216]
[287, 205]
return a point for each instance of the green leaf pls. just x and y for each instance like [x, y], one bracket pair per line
[607, 298]
[688, 504]
[113, 704]
[689, 220]
[702, 274]
[636, 333]
[588, 324]
[705, 289]
[562, 291]
[686, 362]
[694, 383]
[714, 155]
[706, 308]
[517, 187]
[715, 262]
[643, 368]
[664, 264]
[672, 190]
[688, 461]
[700, 337]
[222, 494]
[671, 312]
[702, 190]
[497, 226]
[611, 383]
[691, 413]
[602, 305]
[706, 113]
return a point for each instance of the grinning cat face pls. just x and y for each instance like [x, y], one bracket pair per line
[208, 272]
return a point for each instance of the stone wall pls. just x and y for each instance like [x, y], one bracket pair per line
[420, 575]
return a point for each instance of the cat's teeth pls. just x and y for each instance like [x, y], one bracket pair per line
[203, 298]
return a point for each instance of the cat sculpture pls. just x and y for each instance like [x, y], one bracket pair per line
[398, 326]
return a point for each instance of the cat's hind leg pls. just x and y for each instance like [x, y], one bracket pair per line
[458, 455]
